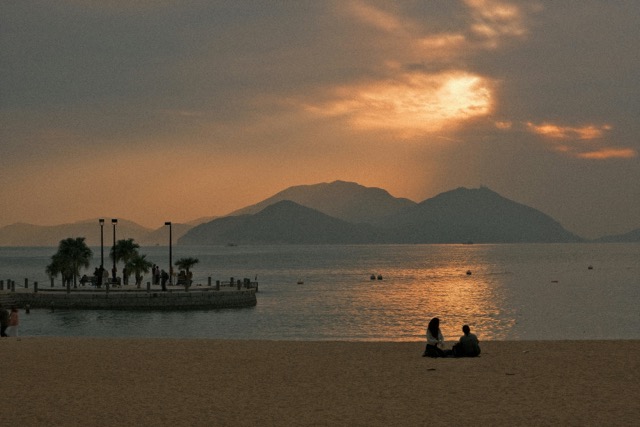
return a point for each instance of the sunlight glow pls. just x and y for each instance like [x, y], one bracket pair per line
[412, 103]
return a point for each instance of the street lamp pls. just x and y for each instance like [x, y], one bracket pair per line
[170, 255]
[101, 220]
[113, 271]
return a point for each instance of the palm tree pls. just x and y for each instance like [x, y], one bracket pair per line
[186, 264]
[138, 265]
[59, 266]
[73, 253]
[124, 250]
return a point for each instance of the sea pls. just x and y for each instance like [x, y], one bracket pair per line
[583, 291]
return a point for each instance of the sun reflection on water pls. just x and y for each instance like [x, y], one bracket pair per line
[460, 289]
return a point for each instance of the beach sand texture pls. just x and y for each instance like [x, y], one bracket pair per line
[128, 382]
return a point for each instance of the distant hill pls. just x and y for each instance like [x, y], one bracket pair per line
[160, 236]
[475, 215]
[347, 201]
[283, 222]
[630, 237]
[21, 234]
[201, 220]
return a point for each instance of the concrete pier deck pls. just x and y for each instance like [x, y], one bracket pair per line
[132, 298]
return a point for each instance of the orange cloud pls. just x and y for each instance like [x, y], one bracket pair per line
[571, 141]
[568, 132]
[491, 23]
[609, 153]
[494, 20]
[413, 103]
[504, 125]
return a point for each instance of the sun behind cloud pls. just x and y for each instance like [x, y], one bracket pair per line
[413, 98]
[412, 103]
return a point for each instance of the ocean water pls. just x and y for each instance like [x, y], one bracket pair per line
[514, 292]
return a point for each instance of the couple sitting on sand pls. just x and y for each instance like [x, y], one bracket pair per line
[467, 346]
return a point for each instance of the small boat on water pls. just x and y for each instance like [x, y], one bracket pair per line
[300, 282]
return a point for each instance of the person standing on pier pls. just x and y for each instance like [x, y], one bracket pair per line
[4, 321]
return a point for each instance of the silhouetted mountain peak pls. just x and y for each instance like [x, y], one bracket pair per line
[347, 201]
[283, 222]
[478, 215]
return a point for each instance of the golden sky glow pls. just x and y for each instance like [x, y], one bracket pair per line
[179, 109]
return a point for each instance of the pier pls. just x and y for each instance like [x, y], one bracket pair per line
[232, 294]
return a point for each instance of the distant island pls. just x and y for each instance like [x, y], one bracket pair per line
[458, 216]
[340, 213]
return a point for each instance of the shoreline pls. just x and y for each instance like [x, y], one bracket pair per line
[157, 381]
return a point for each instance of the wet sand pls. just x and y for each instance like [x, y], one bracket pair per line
[125, 382]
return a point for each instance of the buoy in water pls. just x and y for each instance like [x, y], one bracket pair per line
[468, 272]
[590, 267]
[373, 277]
[379, 276]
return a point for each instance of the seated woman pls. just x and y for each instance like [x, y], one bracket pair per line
[434, 339]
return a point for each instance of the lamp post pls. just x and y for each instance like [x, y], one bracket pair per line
[170, 255]
[113, 271]
[101, 220]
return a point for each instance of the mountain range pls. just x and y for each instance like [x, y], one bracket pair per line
[335, 213]
[457, 216]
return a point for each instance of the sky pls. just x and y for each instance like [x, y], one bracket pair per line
[171, 110]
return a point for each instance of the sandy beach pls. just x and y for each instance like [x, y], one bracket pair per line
[87, 382]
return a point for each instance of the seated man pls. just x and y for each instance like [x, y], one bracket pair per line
[468, 346]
